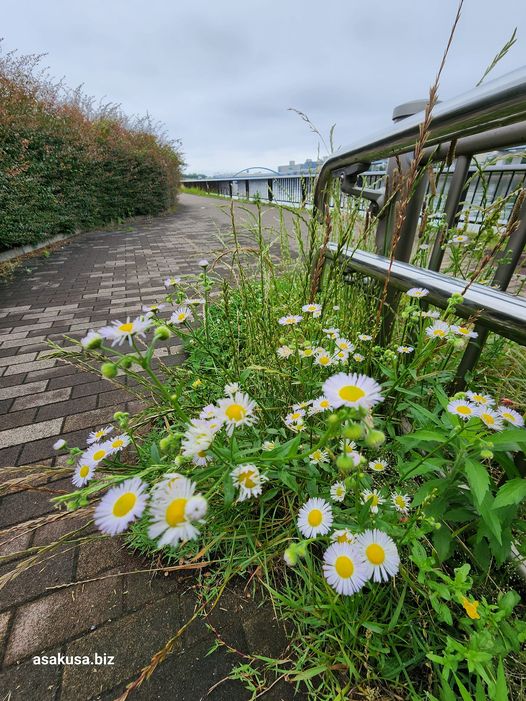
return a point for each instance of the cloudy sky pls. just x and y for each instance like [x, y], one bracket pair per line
[221, 75]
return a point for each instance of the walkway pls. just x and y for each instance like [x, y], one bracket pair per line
[77, 603]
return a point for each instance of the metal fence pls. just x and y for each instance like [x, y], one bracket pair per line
[490, 117]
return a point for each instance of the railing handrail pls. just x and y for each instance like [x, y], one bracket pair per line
[496, 104]
[497, 311]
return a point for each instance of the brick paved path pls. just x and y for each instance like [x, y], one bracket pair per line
[95, 278]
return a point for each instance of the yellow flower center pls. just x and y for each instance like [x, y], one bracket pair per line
[99, 434]
[181, 316]
[315, 517]
[351, 393]
[201, 454]
[307, 352]
[99, 455]
[375, 553]
[342, 538]
[488, 418]
[246, 479]
[378, 466]
[344, 566]
[175, 512]
[124, 504]
[236, 412]
[324, 403]
[439, 332]
[507, 416]
[117, 443]
[464, 410]
[463, 330]
[324, 360]
[400, 501]
[126, 328]
[374, 500]
[84, 471]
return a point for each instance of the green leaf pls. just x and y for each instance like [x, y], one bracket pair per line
[422, 436]
[229, 490]
[288, 480]
[501, 687]
[309, 673]
[478, 479]
[443, 543]
[466, 696]
[513, 492]
[511, 439]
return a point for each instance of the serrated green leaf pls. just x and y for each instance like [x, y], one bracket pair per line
[513, 492]
[478, 479]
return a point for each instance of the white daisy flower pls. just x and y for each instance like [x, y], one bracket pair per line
[344, 345]
[319, 456]
[333, 333]
[202, 458]
[119, 332]
[460, 238]
[480, 399]
[511, 416]
[181, 314]
[338, 491]
[380, 554]
[378, 465]
[352, 390]
[290, 320]
[424, 247]
[462, 408]
[347, 447]
[417, 292]
[231, 389]
[373, 498]
[84, 471]
[249, 480]
[59, 444]
[323, 359]
[401, 502]
[343, 535]
[430, 314]
[171, 282]
[306, 352]
[438, 329]
[301, 405]
[198, 437]
[237, 410]
[359, 357]
[97, 452]
[153, 308]
[208, 412]
[120, 506]
[268, 446]
[295, 417]
[314, 309]
[344, 569]
[170, 521]
[490, 418]
[91, 339]
[405, 349]
[365, 337]
[315, 518]
[463, 331]
[166, 483]
[95, 436]
[320, 404]
[193, 301]
[284, 352]
[341, 356]
[119, 442]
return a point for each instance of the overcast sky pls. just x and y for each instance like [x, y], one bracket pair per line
[221, 75]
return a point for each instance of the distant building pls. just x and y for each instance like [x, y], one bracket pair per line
[308, 168]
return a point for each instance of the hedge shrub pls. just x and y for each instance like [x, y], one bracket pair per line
[66, 166]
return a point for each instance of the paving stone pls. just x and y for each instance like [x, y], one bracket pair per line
[30, 682]
[132, 640]
[26, 434]
[100, 555]
[30, 388]
[67, 409]
[42, 398]
[52, 568]
[88, 419]
[37, 625]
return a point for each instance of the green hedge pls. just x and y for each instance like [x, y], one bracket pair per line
[65, 167]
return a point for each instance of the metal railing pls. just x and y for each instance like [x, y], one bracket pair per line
[489, 117]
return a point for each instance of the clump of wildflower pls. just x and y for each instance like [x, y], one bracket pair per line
[373, 498]
[181, 314]
[120, 506]
[119, 332]
[417, 292]
[290, 320]
[237, 410]
[439, 329]
[338, 491]
[352, 390]
[315, 518]
[248, 480]
[343, 568]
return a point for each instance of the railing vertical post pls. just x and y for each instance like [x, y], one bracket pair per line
[516, 245]
[455, 196]
[247, 189]
[270, 193]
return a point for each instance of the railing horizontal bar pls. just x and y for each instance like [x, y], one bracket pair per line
[496, 104]
[500, 312]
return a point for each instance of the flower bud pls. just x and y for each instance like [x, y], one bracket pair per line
[486, 454]
[165, 444]
[375, 438]
[291, 556]
[108, 370]
[302, 549]
[345, 463]
[162, 333]
[333, 419]
[354, 431]
[126, 362]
